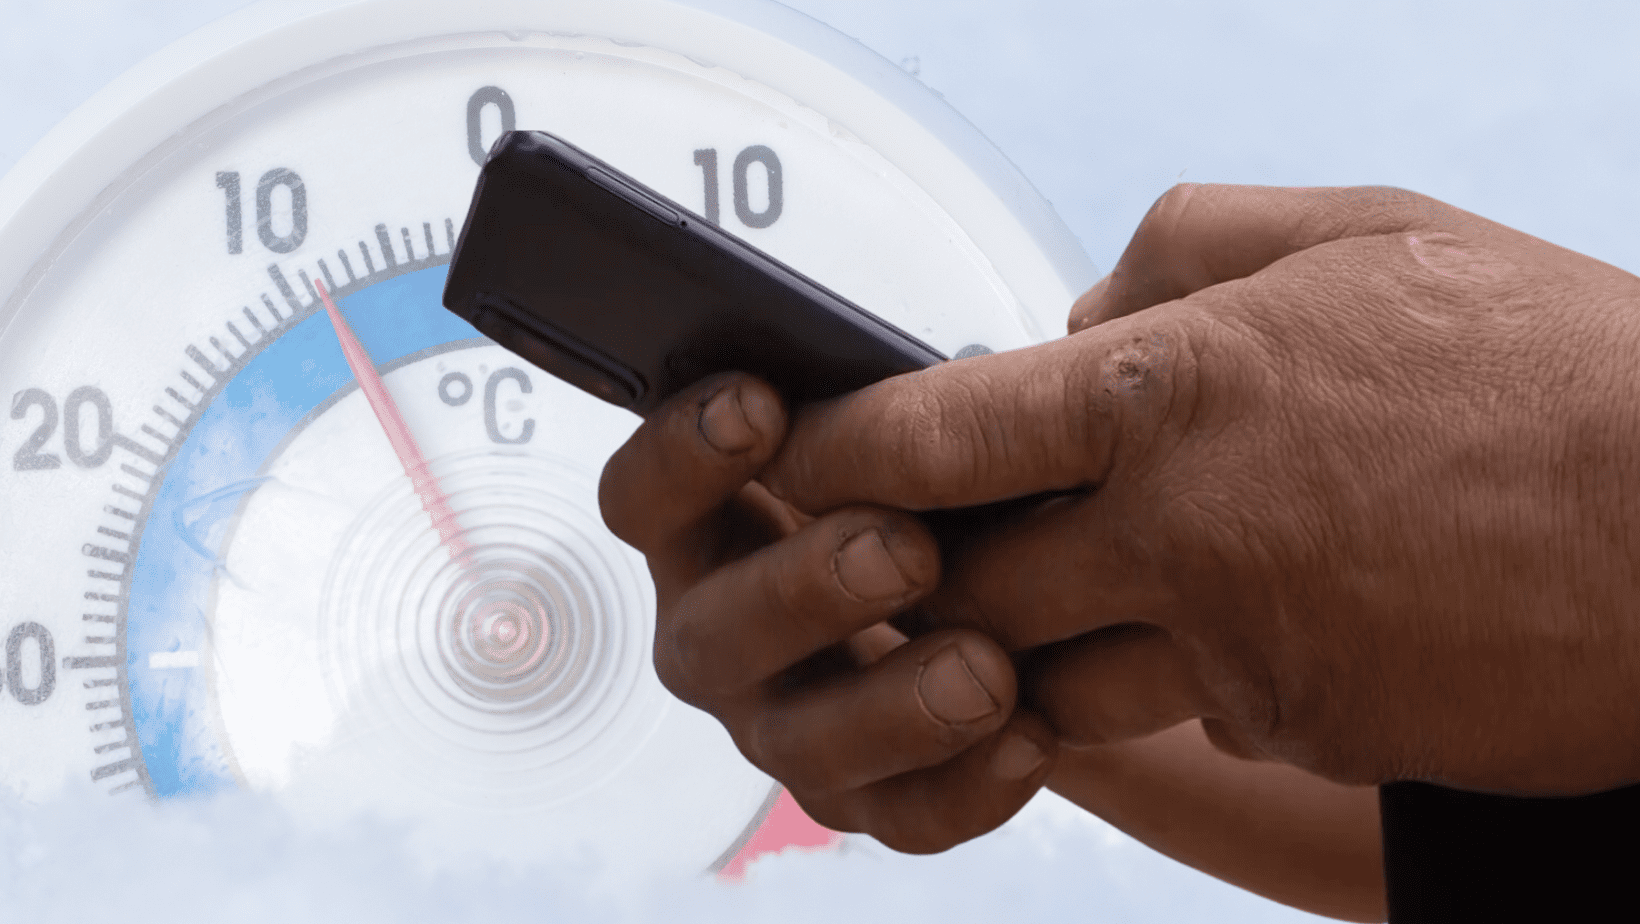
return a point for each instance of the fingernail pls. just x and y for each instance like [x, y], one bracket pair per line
[1016, 758]
[866, 570]
[761, 413]
[723, 423]
[950, 692]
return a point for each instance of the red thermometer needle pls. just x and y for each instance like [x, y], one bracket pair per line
[427, 488]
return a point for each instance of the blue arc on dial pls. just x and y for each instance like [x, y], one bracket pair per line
[215, 468]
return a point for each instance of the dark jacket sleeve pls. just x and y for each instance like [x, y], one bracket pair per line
[1453, 856]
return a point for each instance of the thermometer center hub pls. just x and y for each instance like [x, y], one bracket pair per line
[506, 672]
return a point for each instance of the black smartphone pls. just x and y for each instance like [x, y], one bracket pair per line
[612, 287]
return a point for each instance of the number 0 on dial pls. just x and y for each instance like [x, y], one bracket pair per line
[215, 572]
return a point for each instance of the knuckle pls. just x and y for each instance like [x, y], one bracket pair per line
[1183, 354]
[1229, 740]
[620, 515]
[1169, 209]
[1146, 384]
[1356, 210]
[686, 654]
[946, 437]
[810, 773]
[670, 669]
[917, 832]
[1394, 198]
[1147, 264]
[791, 587]
[799, 592]
[776, 744]
[1460, 275]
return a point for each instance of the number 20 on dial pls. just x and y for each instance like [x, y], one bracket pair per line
[215, 570]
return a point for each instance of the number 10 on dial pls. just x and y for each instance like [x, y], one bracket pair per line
[225, 579]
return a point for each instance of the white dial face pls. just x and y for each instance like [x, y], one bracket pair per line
[216, 570]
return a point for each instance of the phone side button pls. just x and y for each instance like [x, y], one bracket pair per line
[634, 196]
[562, 361]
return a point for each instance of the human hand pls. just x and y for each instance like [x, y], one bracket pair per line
[775, 623]
[1360, 477]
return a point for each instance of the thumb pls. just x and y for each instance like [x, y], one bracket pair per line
[1059, 416]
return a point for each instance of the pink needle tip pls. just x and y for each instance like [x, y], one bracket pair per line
[433, 498]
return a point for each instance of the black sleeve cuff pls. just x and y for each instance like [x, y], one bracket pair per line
[1452, 856]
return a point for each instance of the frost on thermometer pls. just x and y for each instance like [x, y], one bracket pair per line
[360, 564]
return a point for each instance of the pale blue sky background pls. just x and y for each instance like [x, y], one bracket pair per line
[1523, 112]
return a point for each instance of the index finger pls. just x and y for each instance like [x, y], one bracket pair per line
[690, 456]
[1058, 416]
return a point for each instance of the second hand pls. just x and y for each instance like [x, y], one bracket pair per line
[433, 498]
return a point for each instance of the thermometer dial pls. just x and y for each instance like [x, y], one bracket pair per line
[218, 572]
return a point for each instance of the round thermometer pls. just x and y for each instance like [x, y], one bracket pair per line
[218, 568]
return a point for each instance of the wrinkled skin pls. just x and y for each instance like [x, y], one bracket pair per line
[1349, 474]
